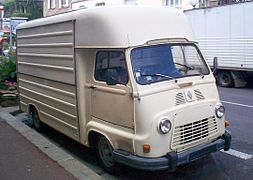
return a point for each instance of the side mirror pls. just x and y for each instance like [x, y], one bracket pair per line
[111, 77]
[215, 65]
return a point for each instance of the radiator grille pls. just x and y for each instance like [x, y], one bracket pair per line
[189, 133]
[180, 99]
[199, 95]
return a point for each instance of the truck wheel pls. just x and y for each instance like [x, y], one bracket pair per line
[105, 154]
[225, 79]
[35, 119]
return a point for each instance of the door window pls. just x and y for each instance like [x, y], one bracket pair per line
[111, 67]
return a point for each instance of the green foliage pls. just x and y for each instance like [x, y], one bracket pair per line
[7, 71]
[9, 6]
[18, 14]
[32, 9]
[6, 45]
[3, 86]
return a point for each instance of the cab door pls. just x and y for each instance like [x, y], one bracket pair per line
[111, 99]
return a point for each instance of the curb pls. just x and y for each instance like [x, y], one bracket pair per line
[68, 162]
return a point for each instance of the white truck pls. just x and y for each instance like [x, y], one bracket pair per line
[226, 32]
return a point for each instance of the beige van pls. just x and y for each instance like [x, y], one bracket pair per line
[129, 81]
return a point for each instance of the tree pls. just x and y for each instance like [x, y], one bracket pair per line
[32, 9]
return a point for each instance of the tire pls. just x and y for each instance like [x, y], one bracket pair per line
[35, 119]
[225, 79]
[105, 154]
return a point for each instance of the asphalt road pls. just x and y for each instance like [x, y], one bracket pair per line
[220, 165]
[239, 110]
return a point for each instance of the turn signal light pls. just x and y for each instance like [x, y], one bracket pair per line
[227, 123]
[146, 148]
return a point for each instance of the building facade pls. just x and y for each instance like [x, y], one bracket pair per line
[52, 7]
[180, 4]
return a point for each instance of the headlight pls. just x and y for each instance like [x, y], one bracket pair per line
[219, 111]
[165, 126]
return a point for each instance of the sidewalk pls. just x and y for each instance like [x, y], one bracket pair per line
[25, 154]
[19, 159]
[9, 109]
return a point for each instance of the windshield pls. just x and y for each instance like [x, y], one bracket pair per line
[165, 62]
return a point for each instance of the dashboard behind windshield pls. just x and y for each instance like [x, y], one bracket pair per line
[165, 62]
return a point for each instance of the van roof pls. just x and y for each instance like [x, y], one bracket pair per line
[121, 26]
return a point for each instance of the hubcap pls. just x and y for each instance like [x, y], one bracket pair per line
[225, 79]
[105, 152]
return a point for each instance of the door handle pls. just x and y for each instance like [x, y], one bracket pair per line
[93, 87]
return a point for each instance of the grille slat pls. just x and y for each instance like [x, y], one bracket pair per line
[199, 95]
[203, 133]
[187, 134]
[192, 141]
[180, 99]
[190, 125]
[178, 130]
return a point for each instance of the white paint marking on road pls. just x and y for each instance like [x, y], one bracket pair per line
[238, 154]
[238, 104]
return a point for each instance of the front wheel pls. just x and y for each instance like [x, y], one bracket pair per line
[105, 154]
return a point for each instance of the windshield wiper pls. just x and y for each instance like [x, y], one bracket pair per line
[191, 68]
[184, 65]
[160, 75]
[200, 74]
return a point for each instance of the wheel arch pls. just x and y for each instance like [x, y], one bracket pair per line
[93, 135]
[118, 137]
[30, 106]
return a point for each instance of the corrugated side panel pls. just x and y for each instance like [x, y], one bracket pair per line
[225, 32]
[233, 52]
[47, 52]
[46, 75]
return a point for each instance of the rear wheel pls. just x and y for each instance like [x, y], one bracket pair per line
[105, 154]
[225, 79]
[35, 119]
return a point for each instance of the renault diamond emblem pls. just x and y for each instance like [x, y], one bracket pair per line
[188, 96]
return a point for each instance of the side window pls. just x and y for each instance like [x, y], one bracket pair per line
[111, 67]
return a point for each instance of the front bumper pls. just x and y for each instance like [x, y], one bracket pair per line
[172, 159]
